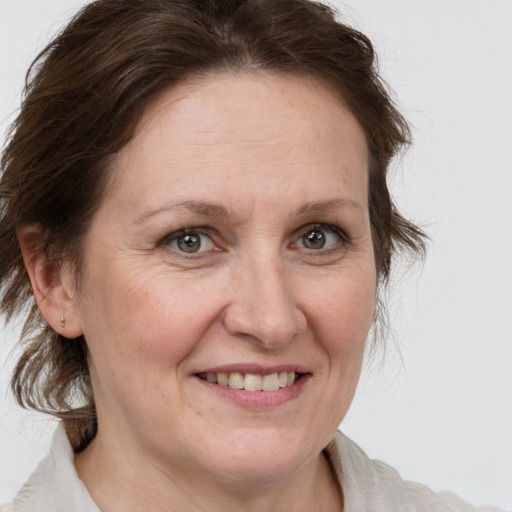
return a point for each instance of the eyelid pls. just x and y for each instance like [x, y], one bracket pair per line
[171, 237]
[343, 237]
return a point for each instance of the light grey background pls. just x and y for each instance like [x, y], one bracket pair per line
[439, 409]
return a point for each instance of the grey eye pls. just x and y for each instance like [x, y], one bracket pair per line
[189, 243]
[192, 243]
[319, 237]
[314, 239]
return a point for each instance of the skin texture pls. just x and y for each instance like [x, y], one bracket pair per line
[250, 163]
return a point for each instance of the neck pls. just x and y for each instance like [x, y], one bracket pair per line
[118, 480]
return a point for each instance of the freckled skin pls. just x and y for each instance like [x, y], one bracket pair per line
[261, 147]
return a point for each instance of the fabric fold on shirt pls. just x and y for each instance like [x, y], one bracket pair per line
[368, 485]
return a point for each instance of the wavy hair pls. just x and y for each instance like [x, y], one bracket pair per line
[84, 96]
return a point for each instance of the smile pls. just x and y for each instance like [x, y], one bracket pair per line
[251, 381]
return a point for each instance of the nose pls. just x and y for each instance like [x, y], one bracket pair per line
[263, 307]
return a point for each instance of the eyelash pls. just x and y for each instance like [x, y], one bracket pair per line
[299, 235]
[343, 239]
[176, 235]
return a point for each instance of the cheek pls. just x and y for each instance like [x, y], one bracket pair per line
[146, 317]
[343, 310]
[341, 314]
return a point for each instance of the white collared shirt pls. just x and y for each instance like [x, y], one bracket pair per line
[368, 485]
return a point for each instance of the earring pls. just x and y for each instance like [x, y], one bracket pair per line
[62, 323]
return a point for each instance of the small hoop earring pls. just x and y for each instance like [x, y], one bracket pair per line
[62, 323]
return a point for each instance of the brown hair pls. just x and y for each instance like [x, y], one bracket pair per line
[84, 96]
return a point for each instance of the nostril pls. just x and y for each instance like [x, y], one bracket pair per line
[262, 308]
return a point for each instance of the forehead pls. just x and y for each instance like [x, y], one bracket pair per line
[211, 105]
[251, 128]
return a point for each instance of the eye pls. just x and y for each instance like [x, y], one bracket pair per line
[320, 237]
[189, 242]
[314, 239]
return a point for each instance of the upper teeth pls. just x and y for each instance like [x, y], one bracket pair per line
[252, 381]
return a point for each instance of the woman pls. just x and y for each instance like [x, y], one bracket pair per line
[205, 257]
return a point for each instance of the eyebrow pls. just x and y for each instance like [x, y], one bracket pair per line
[321, 207]
[207, 209]
[203, 208]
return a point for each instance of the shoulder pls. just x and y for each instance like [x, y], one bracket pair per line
[54, 486]
[373, 486]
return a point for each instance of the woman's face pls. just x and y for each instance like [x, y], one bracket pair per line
[232, 250]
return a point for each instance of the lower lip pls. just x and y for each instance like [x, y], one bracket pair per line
[259, 399]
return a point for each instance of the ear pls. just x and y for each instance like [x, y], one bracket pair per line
[52, 283]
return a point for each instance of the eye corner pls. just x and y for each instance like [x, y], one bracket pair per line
[189, 242]
[318, 239]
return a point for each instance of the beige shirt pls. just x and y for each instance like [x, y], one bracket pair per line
[368, 485]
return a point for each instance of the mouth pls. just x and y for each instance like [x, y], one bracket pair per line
[251, 381]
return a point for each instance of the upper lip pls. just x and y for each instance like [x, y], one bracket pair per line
[256, 369]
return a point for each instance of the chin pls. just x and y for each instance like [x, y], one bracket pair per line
[262, 456]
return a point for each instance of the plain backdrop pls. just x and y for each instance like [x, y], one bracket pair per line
[438, 404]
